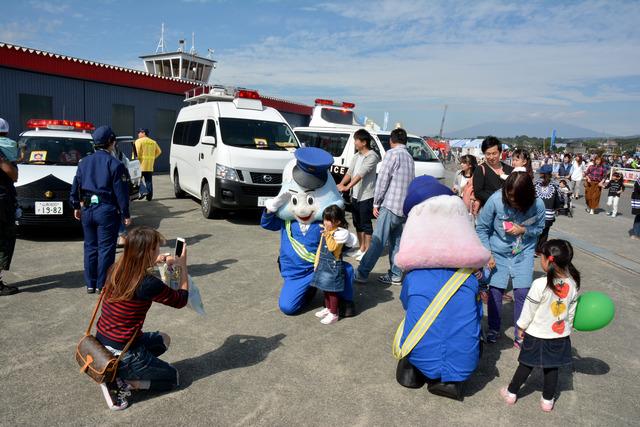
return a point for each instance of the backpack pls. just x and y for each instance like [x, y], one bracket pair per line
[469, 198]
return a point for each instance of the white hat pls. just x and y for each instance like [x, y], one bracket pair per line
[4, 125]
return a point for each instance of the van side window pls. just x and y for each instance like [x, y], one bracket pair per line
[334, 143]
[188, 133]
[192, 136]
[178, 133]
[211, 128]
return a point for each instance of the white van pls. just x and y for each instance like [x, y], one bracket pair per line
[228, 150]
[332, 127]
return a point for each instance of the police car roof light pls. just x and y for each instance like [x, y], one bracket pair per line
[59, 124]
[247, 94]
[348, 105]
[324, 102]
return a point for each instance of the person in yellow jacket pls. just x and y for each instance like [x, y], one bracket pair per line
[148, 151]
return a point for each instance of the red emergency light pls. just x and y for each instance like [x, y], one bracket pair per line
[324, 102]
[335, 104]
[247, 94]
[59, 124]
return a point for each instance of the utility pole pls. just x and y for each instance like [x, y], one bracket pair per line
[444, 114]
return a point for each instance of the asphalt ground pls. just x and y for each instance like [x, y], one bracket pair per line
[245, 363]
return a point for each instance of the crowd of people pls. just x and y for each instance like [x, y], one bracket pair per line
[496, 217]
[563, 177]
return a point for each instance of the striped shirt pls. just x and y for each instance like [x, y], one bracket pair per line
[396, 173]
[119, 320]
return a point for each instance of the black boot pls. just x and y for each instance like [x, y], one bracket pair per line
[347, 309]
[408, 375]
[452, 390]
[7, 290]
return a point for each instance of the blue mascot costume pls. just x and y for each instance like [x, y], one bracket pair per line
[296, 212]
[438, 342]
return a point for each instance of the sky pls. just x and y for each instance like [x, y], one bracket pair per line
[576, 62]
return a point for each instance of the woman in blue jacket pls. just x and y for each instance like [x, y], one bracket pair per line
[509, 225]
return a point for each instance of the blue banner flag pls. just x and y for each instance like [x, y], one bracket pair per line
[553, 138]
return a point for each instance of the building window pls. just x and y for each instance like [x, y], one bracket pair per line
[165, 119]
[123, 120]
[35, 107]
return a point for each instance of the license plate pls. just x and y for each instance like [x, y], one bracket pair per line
[261, 200]
[48, 208]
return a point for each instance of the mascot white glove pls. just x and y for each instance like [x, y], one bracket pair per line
[272, 205]
[343, 236]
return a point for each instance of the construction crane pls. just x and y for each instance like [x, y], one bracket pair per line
[444, 114]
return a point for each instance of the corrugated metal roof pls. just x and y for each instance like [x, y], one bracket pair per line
[35, 60]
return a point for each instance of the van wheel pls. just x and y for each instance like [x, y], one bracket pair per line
[206, 203]
[177, 191]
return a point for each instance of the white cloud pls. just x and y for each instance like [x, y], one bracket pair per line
[493, 54]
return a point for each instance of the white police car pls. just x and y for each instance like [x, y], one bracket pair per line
[49, 156]
[332, 127]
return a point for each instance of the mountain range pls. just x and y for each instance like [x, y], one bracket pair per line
[539, 129]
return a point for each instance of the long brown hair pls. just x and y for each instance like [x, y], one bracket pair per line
[127, 272]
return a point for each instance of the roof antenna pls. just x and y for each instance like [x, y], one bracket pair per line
[210, 53]
[160, 47]
[192, 51]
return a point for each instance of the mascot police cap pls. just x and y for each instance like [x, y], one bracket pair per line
[311, 167]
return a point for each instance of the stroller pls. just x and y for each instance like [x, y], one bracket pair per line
[566, 203]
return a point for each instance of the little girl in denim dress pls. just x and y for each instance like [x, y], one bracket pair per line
[329, 274]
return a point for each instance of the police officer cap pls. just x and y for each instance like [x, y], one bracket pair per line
[422, 188]
[4, 126]
[311, 167]
[145, 130]
[545, 169]
[103, 136]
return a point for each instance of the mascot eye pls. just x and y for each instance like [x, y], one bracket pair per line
[309, 200]
[294, 200]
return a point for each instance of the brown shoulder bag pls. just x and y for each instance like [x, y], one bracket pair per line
[94, 359]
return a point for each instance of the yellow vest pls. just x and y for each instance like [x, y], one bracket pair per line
[148, 151]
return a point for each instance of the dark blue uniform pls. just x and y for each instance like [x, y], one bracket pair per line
[101, 184]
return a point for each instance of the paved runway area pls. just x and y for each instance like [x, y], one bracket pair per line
[246, 364]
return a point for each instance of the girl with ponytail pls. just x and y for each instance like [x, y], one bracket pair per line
[546, 321]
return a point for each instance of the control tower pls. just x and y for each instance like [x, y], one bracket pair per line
[180, 64]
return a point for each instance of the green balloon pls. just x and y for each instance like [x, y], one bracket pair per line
[594, 311]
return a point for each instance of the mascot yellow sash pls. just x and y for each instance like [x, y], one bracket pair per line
[430, 314]
[299, 247]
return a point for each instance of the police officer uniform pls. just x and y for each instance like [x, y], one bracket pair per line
[100, 198]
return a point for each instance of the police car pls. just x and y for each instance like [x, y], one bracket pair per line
[49, 156]
[332, 127]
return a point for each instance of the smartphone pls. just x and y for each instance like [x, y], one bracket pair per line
[180, 242]
[508, 225]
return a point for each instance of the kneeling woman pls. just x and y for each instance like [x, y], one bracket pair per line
[130, 290]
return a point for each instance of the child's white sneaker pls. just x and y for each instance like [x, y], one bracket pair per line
[320, 314]
[329, 319]
[546, 405]
[509, 398]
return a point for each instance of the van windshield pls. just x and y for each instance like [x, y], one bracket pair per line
[338, 116]
[53, 150]
[257, 134]
[418, 149]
